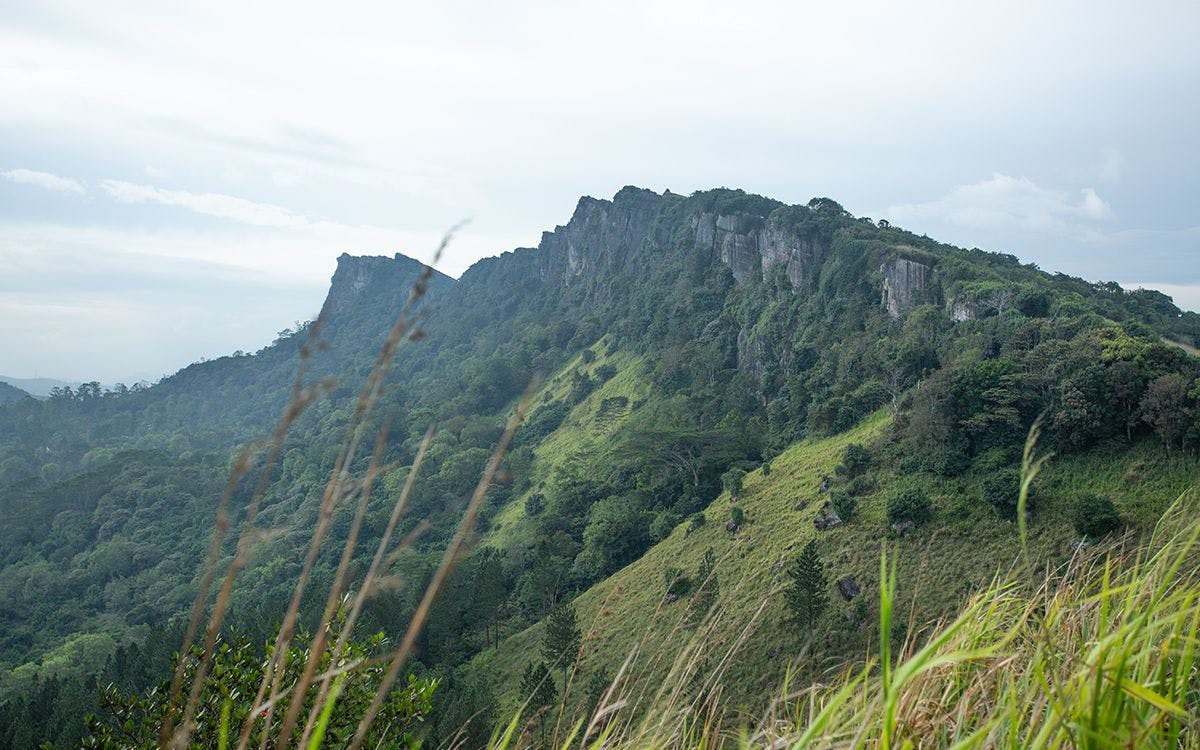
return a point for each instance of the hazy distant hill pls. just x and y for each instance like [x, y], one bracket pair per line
[11, 393]
[39, 387]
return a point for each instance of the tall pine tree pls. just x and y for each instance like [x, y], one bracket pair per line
[807, 595]
[560, 643]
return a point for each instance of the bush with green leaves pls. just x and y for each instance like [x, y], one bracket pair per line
[732, 480]
[696, 521]
[1001, 490]
[860, 485]
[736, 516]
[227, 700]
[677, 583]
[535, 504]
[1095, 516]
[844, 504]
[911, 505]
[663, 524]
[855, 460]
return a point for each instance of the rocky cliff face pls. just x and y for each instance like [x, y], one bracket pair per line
[608, 234]
[962, 308]
[750, 248]
[601, 234]
[904, 284]
[373, 281]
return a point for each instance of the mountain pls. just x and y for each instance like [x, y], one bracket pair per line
[40, 387]
[11, 393]
[720, 372]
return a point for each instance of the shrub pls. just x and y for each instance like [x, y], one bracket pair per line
[605, 372]
[766, 468]
[1001, 490]
[731, 481]
[844, 504]
[912, 505]
[1095, 516]
[695, 521]
[535, 504]
[855, 460]
[676, 582]
[736, 516]
[663, 524]
[860, 485]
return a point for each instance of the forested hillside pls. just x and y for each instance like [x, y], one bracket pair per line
[725, 379]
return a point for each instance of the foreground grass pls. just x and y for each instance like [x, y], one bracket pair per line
[1099, 653]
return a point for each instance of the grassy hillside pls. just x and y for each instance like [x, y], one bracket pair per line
[939, 565]
[586, 429]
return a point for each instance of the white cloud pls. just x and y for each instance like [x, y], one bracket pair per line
[1005, 203]
[45, 180]
[222, 206]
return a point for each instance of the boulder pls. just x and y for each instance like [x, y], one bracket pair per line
[848, 588]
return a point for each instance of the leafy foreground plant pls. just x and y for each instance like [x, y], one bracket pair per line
[1101, 654]
[226, 701]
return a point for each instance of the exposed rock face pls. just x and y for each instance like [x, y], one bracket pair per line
[752, 353]
[600, 234]
[827, 520]
[903, 282]
[961, 308]
[750, 249]
[374, 280]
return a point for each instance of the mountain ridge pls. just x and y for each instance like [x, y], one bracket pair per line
[684, 339]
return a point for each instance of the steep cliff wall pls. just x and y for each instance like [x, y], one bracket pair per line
[752, 245]
[904, 284]
[601, 234]
[374, 282]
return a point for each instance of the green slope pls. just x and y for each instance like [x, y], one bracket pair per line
[961, 549]
[586, 429]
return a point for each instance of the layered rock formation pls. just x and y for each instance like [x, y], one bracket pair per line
[904, 284]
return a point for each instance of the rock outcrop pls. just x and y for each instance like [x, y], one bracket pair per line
[374, 281]
[751, 246]
[848, 587]
[601, 234]
[904, 282]
[962, 308]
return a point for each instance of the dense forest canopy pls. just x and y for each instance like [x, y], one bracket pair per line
[684, 341]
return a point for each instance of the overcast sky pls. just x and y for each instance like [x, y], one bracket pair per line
[177, 179]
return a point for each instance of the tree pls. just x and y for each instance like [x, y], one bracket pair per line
[736, 517]
[1165, 408]
[560, 642]
[1001, 490]
[807, 595]
[537, 688]
[911, 505]
[732, 480]
[855, 460]
[1095, 516]
[844, 504]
